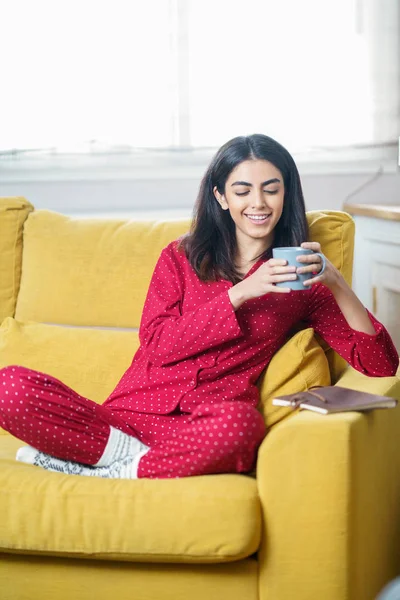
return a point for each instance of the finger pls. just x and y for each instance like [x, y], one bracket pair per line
[278, 270]
[277, 262]
[316, 246]
[314, 268]
[280, 290]
[311, 282]
[309, 258]
[285, 277]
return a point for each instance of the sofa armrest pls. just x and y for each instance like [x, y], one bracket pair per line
[330, 493]
[384, 386]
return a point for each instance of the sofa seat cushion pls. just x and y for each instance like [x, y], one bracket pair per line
[208, 519]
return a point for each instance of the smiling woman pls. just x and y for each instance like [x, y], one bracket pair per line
[249, 197]
[254, 206]
[212, 320]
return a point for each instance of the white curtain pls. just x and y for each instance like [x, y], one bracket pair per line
[82, 74]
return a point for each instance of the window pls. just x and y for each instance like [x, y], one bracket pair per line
[87, 75]
[295, 70]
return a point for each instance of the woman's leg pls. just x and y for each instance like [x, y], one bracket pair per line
[48, 415]
[216, 438]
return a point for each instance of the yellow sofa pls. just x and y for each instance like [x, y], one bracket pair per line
[320, 518]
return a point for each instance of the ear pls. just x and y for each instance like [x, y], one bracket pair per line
[220, 199]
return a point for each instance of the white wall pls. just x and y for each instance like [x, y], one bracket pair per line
[178, 195]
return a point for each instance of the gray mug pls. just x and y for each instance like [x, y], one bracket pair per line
[290, 254]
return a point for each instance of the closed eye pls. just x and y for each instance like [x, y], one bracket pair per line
[270, 192]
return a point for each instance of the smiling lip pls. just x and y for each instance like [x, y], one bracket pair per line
[257, 219]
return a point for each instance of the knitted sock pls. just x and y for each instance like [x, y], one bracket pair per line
[119, 445]
[120, 459]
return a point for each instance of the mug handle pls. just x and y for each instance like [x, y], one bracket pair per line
[323, 262]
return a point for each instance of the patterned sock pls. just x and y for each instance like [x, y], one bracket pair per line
[120, 459]
[119, 445]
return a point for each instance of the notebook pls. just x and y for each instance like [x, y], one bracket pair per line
[334, 399]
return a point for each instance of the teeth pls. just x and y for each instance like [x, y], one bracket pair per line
[257, 217]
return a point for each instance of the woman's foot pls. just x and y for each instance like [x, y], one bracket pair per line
[119, 460]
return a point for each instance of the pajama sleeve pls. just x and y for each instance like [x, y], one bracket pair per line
[168, 334]
[373, 355]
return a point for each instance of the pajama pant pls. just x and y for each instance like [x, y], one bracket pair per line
[46, 414]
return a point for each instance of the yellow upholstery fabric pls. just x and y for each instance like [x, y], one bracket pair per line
[104, 355]
[322, 514]
[13, 213]
[334, 230]
[330, 491]
[35, 577]
[190, 520]
[69, 264]
[297, 366]
[90, 361]
[384, 386]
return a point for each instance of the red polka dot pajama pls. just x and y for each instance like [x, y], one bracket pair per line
[190, 393]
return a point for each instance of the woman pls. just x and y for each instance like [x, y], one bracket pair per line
[212, 320]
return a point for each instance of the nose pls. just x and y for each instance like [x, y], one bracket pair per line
[258, 199]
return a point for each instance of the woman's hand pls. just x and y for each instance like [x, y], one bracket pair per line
[351, 307]
[313, 265]
[262, 281]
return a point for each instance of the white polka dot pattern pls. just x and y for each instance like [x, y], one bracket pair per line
[190, 393]
[196, 349]
[373, 355]
[46, 414]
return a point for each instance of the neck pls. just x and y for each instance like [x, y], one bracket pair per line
[249, 253]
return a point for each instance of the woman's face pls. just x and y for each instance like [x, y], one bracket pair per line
[254, 193]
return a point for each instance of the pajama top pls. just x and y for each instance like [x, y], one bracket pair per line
[196, 349]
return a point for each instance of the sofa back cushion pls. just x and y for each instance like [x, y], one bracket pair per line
[298, 366]
[335, 232]
[89, 272]
[13, 213]
[96, 272]
[93, 272]
[90, 361]
[82, 277]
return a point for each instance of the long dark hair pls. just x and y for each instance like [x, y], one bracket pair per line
[210, 246]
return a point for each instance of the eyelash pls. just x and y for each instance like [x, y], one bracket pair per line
[266, 191]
